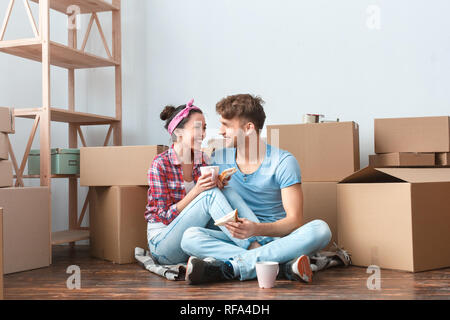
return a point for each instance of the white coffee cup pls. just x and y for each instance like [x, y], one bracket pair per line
[214, 170]
[267, 272]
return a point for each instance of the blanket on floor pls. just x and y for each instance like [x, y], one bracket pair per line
[319, 261]
[170, 272]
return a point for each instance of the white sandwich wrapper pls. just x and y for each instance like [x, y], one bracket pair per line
[230, 217]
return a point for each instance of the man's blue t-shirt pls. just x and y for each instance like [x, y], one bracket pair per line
[261, 190]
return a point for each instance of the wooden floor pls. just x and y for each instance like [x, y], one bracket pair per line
[104, 280]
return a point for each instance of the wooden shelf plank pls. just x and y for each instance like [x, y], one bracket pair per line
[86, 6]
[67, 236]
[60, 55]
[67, 116]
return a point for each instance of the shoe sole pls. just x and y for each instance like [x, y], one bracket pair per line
[304, 269]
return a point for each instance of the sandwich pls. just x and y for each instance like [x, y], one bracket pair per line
[227, 173]
[231, 217]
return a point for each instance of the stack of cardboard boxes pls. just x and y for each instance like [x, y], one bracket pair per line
[399, 217]
[6, 177]
[117, 177]
[326, 152]
[6, 127]
[411, 142]
[26, 213]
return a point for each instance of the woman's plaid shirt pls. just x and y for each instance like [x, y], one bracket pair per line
[166, 185]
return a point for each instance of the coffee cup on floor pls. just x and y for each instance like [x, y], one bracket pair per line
[266, 272]
[214, 170]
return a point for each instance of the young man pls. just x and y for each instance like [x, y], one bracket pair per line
[267, 185]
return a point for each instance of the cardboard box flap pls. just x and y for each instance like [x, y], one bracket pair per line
[370, 175]
[417, 175]
[413, 175]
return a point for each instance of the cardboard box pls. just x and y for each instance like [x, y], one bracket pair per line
[4, 147]
[6, 120]
[443, 159]
[1, 254]
[426, 134]
[396, 218]
[117, 166]
[6, 174]
[117, 222]
[326, 152]
[402, 159]
[320, 202]
[26, 233]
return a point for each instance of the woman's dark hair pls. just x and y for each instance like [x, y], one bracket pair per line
[170, 112]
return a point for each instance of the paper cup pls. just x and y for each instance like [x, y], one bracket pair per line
[267, 272]
[210, 169]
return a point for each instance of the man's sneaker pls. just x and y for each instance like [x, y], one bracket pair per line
[209, 270]
[298, 269]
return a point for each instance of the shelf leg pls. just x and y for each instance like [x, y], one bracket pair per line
[73, 138]
[117, 54]
[44, 19]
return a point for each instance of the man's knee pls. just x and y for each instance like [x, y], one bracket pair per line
[210, 193]
[189, 238]
[230, 192]
[323, 232]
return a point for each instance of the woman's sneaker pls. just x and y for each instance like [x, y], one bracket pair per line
[298, 269]
[209, 270]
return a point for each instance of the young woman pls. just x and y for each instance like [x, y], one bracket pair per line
[178, 196]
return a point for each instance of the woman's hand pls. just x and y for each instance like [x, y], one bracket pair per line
[204, 183]
[243, 229]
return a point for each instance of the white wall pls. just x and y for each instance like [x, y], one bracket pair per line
[299, 56]
[20, 83]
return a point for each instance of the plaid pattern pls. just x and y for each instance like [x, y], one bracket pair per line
[166, 185]
[170, 272]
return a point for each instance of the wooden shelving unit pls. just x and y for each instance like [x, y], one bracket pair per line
[86, 6]
[50, 53]
[61, 55]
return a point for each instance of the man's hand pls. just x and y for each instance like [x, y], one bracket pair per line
[242, 229]
[224, 183]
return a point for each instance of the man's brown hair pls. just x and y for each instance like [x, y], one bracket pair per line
[243, 106]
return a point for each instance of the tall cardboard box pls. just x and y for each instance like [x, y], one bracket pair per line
[6, 120]
[26, 232]
[326, 152]
[1, 254]
[402, 159]
[4, 150]
[320, 202]
[396, 218]
[117, 166]
[6, 174]
[422, 134]
[117, 222]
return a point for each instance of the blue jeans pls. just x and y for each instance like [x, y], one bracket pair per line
[308, 239]
[214, 203]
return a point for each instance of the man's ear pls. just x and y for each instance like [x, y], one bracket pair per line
[249, 128]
